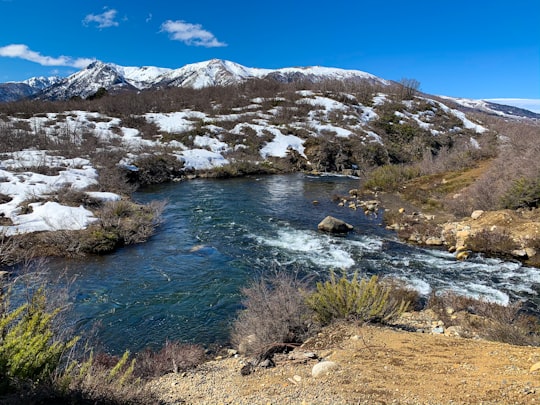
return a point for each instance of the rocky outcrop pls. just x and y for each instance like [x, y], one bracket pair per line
[504, 232]
[334, 225]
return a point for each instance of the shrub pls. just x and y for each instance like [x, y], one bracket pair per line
[274, 313]
[523, 193]
[493, 242]
[124, 223]
[171, 358]
[100, 379]
[489, 320]
[390, 177]
[366, 300]
[157, 168]
[29, 351]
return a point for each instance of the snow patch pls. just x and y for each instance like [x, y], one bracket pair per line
[280, 145]
[50, 216]
[202, 159]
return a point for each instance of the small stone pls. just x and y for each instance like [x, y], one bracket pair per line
[297, 378]
[535, 366]
[232, 352]
[437, 330]
[476, 214]
[521, 253]
[268, 363]
[323, 368]
[530, 252]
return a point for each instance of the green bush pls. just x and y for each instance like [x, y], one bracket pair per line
[523, 193]
[28, 348]
[390, 177]
[367, 300]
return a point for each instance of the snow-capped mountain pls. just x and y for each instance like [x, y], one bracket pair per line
[13, 91]
[209, 73]
[490, 107]
[42, 82]
[214, 72]
[87, 82]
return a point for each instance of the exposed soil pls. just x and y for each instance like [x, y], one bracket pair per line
[376, 365]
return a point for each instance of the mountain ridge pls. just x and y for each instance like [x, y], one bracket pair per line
[214, 72]
[113, 77]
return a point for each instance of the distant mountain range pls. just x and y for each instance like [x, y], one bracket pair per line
[115, 78]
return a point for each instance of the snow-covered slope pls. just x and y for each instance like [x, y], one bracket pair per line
[210, 73]
[42, 82]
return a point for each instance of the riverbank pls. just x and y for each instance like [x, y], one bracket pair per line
[374, 365]
[419, 214]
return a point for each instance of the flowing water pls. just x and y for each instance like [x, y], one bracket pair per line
[184, 284]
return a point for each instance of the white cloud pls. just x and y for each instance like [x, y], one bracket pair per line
[22, 51]
[103, 20]
[191, 34]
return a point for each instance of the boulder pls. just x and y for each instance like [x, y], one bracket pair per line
[323, 368]
[334, 225]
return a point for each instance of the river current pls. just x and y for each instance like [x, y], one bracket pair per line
[217, 235]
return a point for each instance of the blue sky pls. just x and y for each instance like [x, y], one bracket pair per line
[472, 49]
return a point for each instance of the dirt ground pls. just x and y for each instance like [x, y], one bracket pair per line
[376, 365]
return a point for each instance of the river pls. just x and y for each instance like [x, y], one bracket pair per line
[184, 283]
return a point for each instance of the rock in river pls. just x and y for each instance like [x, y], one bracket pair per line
[334, 225]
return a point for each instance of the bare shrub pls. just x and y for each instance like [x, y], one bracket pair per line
[171, 358]
[489, 320]
[8, 251]
[274, 314]
[492, 242]
[157, 168]
[513, 178]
